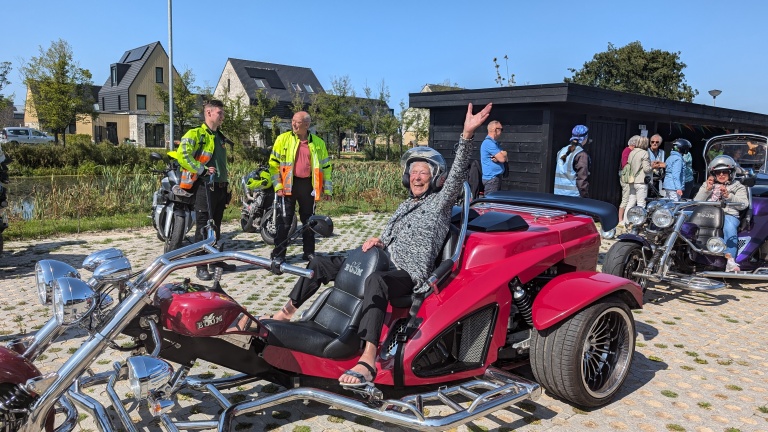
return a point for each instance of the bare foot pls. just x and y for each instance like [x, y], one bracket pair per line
[286, 313]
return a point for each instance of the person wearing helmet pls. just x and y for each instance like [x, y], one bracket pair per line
[413, 237]
[722, 169]
[258, 179]
[674, 180]
[573, 165]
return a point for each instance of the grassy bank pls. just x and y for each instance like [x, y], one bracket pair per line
[123, 198]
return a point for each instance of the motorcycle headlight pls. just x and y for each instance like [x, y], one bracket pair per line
[73, 300]
[636, 215]
[97, 258]
[46, 272]
[147, 374]
[716, 245]
[662, 218]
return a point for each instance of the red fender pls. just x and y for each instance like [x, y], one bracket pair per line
[567, 294]
[14, 368]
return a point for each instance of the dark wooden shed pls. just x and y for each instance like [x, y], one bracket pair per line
[538, 119]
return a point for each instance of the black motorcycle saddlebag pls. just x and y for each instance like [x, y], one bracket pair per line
[710, 221]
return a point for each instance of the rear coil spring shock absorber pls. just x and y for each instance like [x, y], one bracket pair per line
[14, 398]
[523, 302]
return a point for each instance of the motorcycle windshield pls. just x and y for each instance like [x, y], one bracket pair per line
[748, 150]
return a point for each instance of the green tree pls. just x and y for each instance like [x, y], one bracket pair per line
[632, 69]
[374, 109]
[390, 127]
[6, 103]
[61, 89]
[297, 101]
[336, 111]
[260, 111]
[236, 125]
[185, 105]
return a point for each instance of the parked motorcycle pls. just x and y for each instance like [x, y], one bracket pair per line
[4, 179]
[173, 215]
[505, 290]
[258, 213]
[681, 243]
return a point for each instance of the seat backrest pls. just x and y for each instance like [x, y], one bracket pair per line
[710, 221]
[339, 310]
[448, 245]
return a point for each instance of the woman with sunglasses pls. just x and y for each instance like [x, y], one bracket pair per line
[722, 169]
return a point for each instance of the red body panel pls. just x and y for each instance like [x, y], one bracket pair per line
[198, 314]
[567, 294]
[14, 368]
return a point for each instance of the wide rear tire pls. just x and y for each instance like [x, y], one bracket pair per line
[625, 258]
[586, 358]
[176, 236]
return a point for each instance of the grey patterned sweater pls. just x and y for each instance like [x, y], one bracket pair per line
[415, 233]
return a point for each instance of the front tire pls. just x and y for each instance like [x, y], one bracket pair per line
[176, 236]
[625, 258]
[269, 228]
[586, 358]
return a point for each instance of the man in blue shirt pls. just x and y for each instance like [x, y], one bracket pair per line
[492, 158]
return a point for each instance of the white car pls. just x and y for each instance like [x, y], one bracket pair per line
[24, 135]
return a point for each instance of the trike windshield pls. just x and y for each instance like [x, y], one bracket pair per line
[748, 150]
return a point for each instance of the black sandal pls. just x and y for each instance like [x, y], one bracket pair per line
[363, 381]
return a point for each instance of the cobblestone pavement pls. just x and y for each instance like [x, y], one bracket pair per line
[700, 364]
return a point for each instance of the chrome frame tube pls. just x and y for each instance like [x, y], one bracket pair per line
[43, 338]
[142, 292]
[70, 421]
[91, 405]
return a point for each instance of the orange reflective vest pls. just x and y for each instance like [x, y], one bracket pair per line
[283, 159]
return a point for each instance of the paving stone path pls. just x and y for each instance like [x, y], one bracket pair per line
[701, 362]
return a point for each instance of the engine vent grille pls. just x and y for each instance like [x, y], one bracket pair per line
[462, 346]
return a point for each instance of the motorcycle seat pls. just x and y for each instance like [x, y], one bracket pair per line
[328, 329]
[709, 220]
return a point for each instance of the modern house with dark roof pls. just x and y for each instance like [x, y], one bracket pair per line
[241, 79]
[538, 119]
[127, 102]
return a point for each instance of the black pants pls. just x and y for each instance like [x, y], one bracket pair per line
[379, 287]
[301, 193]
[219, 201]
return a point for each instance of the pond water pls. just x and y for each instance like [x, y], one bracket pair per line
[22, 190]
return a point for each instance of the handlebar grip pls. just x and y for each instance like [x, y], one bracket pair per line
[440, 273]
[298, 271]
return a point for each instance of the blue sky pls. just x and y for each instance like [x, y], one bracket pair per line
[407, 43]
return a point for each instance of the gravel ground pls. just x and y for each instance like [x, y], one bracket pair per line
[700, 363]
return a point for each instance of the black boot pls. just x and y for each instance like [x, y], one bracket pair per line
[203, 274]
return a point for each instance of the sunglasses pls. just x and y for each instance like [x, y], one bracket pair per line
[722, 172]
[499, 129]
[655, 142]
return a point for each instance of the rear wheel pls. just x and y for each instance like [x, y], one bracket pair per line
[586, 358]
[269, 228]
[246, 221]
[176, 236]
[625, 258]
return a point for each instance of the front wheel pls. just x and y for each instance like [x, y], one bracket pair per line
[176, 236]
[625, 258]
[586, 358]
[269, 228]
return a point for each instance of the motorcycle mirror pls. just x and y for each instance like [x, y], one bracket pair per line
[322, 225]
[155, 156]
[749, 180]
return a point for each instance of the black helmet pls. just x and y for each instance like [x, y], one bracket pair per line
[682, 145]
[433, 158]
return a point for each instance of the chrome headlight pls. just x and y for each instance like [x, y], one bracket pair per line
[663, 218]
[147, 374]
[73, 300]
[716, 245]
[116, 270]
[46, 272]
[636, 215]
[97, 258]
